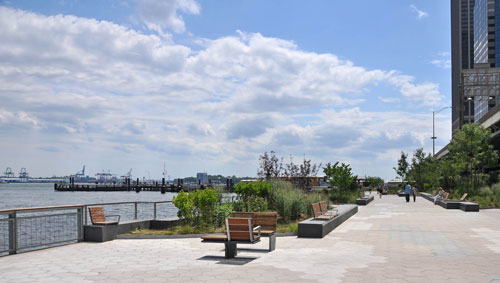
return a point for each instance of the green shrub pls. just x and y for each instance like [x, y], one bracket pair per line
[185, 206]
[223, 210]
[485, 191]
[198, 207]
[254, 195]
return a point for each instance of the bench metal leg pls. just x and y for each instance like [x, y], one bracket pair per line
[230, 250]
[272, 243]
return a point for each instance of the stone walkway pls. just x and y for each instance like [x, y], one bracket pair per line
[387, 241]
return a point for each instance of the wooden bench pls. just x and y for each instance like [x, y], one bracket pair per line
[463, 197]
[324, 209]
[97, 216]
[266, 220]
[238, 231]
[321, 215]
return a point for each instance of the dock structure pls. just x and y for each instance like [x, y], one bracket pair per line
[136, 186]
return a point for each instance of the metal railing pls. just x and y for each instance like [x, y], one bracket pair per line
[35, 228]
[39, 227]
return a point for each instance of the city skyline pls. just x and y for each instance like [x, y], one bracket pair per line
[208, 86]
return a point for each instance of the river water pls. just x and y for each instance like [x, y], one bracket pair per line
[27, 195]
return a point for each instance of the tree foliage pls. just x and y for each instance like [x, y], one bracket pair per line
[464, 168]
[402, 169]
[471, 153]
[340, 177]
[373, 181]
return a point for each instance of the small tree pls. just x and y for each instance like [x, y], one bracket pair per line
[471, 152]
[402, 169]
[340, 177]
[270, 166]
[422, 169]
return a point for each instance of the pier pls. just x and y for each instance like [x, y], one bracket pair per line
[136, 186]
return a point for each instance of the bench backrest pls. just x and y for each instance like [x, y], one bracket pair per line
[316, 209]
[97, 214]
[266, 220]
[239, 229]
[464, 196]
[323, 207]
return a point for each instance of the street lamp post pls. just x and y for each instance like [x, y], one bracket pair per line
[433, 129]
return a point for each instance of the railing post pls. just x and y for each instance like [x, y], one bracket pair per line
[85, 214]
[135, 205]
[154, 211]
[79, 223]
[12, 233]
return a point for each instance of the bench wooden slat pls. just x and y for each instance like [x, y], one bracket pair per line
[237, 221]
[97, 216]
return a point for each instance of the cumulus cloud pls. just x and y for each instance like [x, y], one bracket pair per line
[443, 62]
[107, 89]
[161, 15]
[419, 13]
[389, 99]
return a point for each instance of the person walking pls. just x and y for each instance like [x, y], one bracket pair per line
[414, 192]
[407, 192]
[379, 191]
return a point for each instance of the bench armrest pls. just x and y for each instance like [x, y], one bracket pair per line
[114, 216]
[258, 228]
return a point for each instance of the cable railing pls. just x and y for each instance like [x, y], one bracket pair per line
[28, 229]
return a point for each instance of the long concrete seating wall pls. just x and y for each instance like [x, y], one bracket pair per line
[315, 228]
[364, 201]
[453, 204]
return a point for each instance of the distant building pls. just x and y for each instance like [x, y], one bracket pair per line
[462, 58]
[202, 178]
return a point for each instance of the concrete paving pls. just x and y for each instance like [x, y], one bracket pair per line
[387, 241]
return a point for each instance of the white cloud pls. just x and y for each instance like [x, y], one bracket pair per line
[114, 93]
[160, 15]
[420, 14]
[442, 63]
[389, 99]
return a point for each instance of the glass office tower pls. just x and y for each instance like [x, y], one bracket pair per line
[462, 57]
[486, 51]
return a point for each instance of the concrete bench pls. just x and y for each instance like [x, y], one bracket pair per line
[364, 200]
[469, 206]
[449, 204]
[317, 228]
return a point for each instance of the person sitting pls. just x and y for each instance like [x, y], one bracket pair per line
[440, 195]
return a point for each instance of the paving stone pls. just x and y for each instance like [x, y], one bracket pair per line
[387, 241]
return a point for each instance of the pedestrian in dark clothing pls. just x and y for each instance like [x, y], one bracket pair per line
[414, 192]
[407, 192]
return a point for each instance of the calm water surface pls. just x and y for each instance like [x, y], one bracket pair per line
[34, 195]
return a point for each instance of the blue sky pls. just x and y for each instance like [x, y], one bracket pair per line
[210, 85]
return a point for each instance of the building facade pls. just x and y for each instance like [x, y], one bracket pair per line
[462, 58]
[202, 178]
[486, 57]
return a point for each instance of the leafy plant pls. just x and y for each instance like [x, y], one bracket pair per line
[185, 206]
[341, 180]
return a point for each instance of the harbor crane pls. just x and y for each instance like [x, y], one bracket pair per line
[23, 174]
[128, 175]
[8, 173]
[80, 174]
